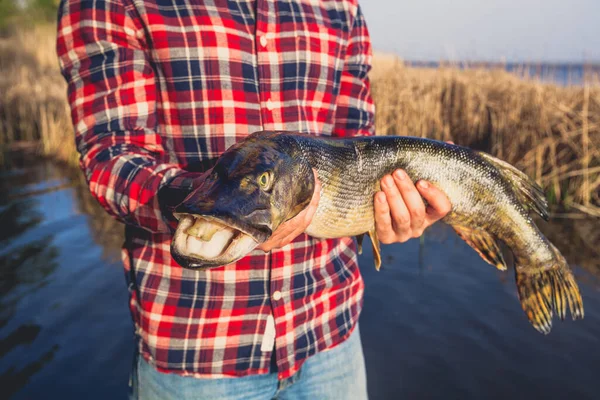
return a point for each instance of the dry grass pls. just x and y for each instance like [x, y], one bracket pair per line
[33, 103]
[550, 132]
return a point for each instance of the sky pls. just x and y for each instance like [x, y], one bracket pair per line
[486, 30]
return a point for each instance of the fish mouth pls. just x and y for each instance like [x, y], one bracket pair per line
[202, 241]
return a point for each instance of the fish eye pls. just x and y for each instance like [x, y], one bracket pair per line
[265, 179]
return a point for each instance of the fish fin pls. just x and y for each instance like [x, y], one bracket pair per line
[529, 193]
[359, 242]
[543, 291]
[376, 248]
[484, 244]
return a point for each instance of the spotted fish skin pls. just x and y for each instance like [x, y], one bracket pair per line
[350, 171]
[487, 206]
[491, 201]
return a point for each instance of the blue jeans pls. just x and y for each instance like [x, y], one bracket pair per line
[335, 374]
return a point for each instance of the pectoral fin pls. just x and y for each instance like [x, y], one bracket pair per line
[484, 244]
[359, 242]
[376, 248]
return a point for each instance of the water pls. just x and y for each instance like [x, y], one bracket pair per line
[437, 321]
[565, 74]
[64, 323]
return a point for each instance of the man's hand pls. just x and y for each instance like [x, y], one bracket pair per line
[289, 230]
[400, 213]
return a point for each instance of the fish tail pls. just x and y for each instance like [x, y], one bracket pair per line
[546, 290]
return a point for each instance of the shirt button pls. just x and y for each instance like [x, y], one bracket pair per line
[263, 41]
[277, 295]
[269, 105]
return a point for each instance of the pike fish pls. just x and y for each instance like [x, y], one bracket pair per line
[267, 178]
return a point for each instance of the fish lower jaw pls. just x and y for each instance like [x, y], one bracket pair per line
[202, 243]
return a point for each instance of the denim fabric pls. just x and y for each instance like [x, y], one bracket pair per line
[337, 374]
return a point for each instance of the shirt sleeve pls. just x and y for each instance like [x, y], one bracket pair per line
[355, 109]
[112, 94]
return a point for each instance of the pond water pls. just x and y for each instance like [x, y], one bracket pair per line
[437, 321]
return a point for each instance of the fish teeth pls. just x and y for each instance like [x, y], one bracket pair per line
[204, 229]
[219, 243]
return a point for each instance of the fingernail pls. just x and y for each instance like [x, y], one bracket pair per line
[424, 184]
[387, 181]
[381, 199]
[400, 174]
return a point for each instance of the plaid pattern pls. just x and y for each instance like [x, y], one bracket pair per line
[158, 90]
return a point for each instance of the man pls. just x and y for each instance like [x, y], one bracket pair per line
[158, 90]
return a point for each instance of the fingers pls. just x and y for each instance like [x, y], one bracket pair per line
[412, 200]
[438, 203]
[407, 211]
[304, 217]
[400, 213]
[310, 210]
[290, 229]
[383, 219]
[285, 233]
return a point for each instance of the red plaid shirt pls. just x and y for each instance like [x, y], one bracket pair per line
[158, 90]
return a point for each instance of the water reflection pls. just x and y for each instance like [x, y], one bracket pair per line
[12, 380]
[24, 334]
[439, 322]
[578, 240]
[106, 232]
[24, 269]
[16, 218]
[57, 258]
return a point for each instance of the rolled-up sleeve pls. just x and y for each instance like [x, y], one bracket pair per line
[112, 94]
[355, 108]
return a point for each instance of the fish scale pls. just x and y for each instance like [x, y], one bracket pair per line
[491, 203]
[350, 194]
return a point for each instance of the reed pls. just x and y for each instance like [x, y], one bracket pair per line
[33, 105]
[549, 131]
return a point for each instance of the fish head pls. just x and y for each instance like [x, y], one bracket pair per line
[254, 187]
